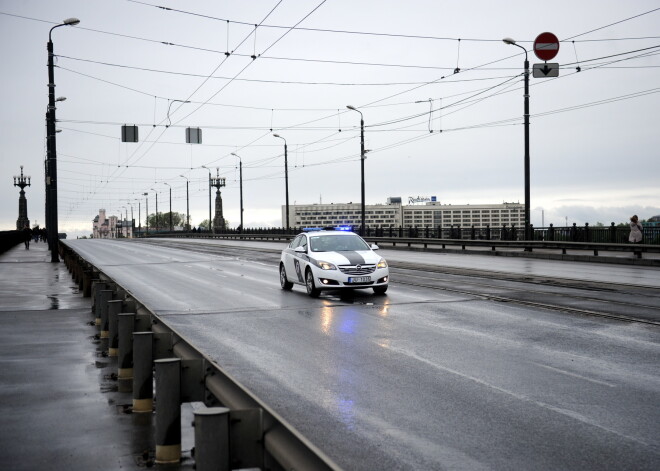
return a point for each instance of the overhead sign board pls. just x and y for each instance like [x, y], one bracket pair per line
[546, 46]
[547, 69]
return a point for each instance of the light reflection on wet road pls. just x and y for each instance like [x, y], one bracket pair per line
[417, 379]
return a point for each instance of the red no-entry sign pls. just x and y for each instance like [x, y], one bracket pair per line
[546, 46]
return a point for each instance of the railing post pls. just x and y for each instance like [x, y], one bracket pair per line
[472, 233]
[551, 233]
[168, 412]
[114, 308]
[126, 324]
[105, 295]
[574, 232]
[613, 234]
[212, 439]
[143, 376]
[487, 231]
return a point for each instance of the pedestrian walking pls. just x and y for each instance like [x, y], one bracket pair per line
[27, 236]
[636, 235]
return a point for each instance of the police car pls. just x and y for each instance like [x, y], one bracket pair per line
[332, 259]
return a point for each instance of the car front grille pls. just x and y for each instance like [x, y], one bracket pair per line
[357, 269]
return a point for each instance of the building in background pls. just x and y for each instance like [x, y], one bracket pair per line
[422, 212]
[110, 227]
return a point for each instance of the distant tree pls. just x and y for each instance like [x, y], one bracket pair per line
[599, 224]
[163, 221]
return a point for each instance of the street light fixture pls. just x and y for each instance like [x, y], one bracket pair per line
[362, 157]
[528, 235]
[187, 204]
[240, 174]
[51, 149]
[165, 183]
[286, 179]
[210, 220]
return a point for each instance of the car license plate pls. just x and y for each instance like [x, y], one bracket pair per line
[360, 279]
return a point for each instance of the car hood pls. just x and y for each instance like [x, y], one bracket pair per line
[361, 257]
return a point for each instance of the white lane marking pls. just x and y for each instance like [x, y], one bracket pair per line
[568, 413]
[575, 375]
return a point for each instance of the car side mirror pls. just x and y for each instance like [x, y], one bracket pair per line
[374, 247]
[300, 249]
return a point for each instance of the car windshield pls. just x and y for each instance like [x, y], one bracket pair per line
[337, 243]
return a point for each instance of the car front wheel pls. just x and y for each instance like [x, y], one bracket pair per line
[284, 282]
[380, 289]
[309, 284]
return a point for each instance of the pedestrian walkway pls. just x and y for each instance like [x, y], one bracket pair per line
[59, 403]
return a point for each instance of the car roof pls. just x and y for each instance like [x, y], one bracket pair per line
[328, 233]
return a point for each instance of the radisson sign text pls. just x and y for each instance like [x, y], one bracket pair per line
[421, 199]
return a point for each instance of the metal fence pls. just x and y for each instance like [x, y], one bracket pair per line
[601, 234]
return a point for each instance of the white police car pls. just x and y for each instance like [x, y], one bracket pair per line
[332, 259]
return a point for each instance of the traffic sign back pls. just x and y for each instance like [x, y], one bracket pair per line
[546, 46]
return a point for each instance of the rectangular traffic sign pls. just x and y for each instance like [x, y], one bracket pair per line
[545, 70]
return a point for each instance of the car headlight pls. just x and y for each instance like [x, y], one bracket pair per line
[326, 265]
[382, 263]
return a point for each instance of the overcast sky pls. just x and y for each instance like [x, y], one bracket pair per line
[594, 133]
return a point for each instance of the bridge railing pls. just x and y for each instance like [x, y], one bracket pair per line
[599, 234]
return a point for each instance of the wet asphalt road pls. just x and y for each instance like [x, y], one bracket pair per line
[421, 378]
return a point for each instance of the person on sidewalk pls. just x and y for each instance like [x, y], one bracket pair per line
[636, 234]
[27, 236]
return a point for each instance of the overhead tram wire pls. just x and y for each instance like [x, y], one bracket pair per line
[389, 35]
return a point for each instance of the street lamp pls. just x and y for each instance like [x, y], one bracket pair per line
[132, 220]
[240, 174]
[170, 204]
[210, 220]
[362, 157]
[187, 204]
[527, 226]
[286, 179]
[157, 224]
[147, 198]
[51, 148]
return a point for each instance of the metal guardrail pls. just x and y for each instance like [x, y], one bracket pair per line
[255, 435]
[492, 245]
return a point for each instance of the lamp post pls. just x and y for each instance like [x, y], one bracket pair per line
[286, 179]
[51, 148]
[132, 220]
[210, 220]
[147, 198]
[362, 157]
[125, 221]
[187, 204]
[171, 229]
[157, 224]
[512, 42]
[240, 176]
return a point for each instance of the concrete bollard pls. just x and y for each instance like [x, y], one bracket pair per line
[212, 439]
[143, 375]
[114, 308]
[126, 325]
[104, 296]
[168, 412]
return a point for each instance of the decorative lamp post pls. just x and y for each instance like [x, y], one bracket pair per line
[362, 157]
[51, 149]
[528, 235]
[147, 198]
[240, 176]
[22, 181]
[286, 179]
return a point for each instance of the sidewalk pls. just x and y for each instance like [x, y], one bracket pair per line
[58, 401]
